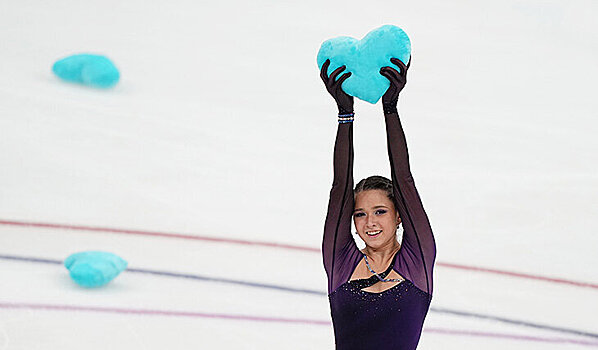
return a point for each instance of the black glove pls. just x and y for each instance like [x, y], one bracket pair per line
[397, 83]
[343, 100]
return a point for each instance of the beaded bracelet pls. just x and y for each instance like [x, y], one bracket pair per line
[346, 118]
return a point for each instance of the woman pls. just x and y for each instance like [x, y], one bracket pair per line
[379, 296]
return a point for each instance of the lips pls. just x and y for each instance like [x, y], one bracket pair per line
[373, 233]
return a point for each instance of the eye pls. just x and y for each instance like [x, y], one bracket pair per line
[380, 211]
[357, 215]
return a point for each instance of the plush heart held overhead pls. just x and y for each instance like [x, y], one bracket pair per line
[364, 58]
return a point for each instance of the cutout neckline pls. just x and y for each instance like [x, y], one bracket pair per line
[362, 283]
[385, 290]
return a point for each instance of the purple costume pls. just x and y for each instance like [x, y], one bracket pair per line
[391, 319]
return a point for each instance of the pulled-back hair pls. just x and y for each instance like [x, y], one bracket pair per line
[376, 182]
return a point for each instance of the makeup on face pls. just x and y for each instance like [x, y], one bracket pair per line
[374, 216]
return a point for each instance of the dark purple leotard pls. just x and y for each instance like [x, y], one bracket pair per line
[392, 319]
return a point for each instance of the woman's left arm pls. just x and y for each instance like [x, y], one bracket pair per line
[418, 250]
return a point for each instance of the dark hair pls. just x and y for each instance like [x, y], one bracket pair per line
[376, 182]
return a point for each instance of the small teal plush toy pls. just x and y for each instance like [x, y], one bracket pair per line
[93, 268]
[364, 58]
[87, 69]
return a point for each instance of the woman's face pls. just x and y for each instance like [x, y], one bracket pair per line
[375, 218]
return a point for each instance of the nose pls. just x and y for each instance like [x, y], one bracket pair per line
[371, 222]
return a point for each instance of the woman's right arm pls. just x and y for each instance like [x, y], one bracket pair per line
[338, 244]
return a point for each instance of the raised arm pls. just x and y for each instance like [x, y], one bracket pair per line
[418, 251]
[338, 245]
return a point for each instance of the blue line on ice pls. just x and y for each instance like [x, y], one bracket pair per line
[316, 292]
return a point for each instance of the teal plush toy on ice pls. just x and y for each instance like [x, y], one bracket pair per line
[364, 58]
[87, 69]
[94, 269]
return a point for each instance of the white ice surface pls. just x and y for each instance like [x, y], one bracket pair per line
[221, 127]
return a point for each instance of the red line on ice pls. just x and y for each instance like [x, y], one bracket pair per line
[155, 234]
[117, 310]
[277, 245]
[520, 275]
[509, 336]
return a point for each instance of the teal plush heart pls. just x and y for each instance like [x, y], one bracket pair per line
[87, 69]
[93, 268]
[364, 58]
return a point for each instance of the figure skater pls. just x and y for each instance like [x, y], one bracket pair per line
[379, 296]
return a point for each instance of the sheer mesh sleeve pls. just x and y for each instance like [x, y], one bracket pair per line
[339, 251]
[418, 249]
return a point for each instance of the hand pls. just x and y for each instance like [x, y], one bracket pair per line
[343, 100]
[397, 83]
